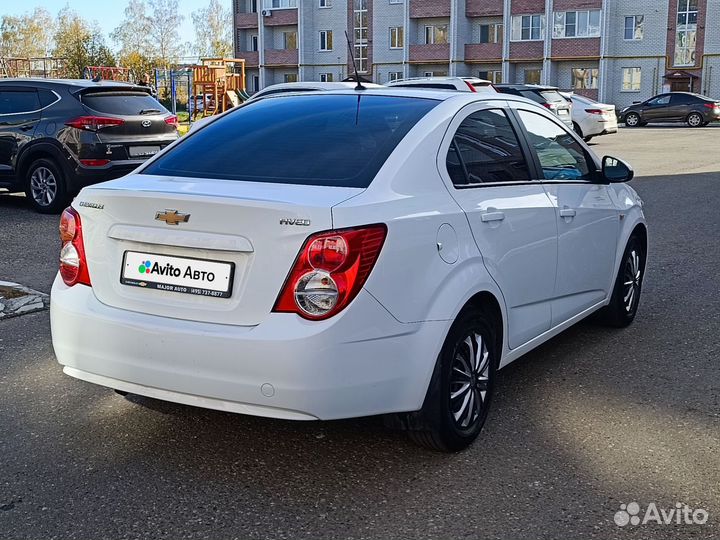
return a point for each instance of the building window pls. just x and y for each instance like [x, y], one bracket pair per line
[360, 26]
[326, 77]
[254, 43]
[326, 40]
[280, 4]
[395, 76]
[397, 1]
[397, 37]
[291, 77]
[585, 78]
[494, 76]
[686, 37]
[255, 83]
[435, 74]
[325, 3]
[631, 79]
[527, 27]
[569, 24]
[436, 34]
[491, 33]
[290, 40]
[634, 27]
[533, 76]
[252, 6]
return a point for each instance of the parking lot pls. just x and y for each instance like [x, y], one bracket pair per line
[593, 419]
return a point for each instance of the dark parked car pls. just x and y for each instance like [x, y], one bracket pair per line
[57, 136]
[694, 109]
[547, 96]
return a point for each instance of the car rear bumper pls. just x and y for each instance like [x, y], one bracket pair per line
[359, 363]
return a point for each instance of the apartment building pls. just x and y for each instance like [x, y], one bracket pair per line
[617, 51]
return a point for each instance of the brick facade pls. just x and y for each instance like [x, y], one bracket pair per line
[425, 54]
[281, 57]
[484, 8]
[576, 48]
[423, 9]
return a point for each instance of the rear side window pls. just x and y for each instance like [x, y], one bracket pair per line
[532, 94]
[47, 97]
[18, 101]
[683, 99]
[322, 140]
[122, 103]
[486, 149]
[552, 96]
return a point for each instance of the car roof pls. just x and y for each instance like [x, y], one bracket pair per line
[436, 79]
[540, 87]
[80, 83]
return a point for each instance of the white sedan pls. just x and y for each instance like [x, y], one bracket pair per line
[591, 118]
[347, 253]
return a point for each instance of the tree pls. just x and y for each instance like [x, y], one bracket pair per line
[27, 36]
[213, 31]
[165, 20]
[79, 43]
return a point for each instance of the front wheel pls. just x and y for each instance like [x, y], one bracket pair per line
[458, 399]
[621, 310]
[45, 187]
[632, 120]
[695, 120]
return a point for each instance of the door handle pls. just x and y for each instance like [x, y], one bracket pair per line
[567, 212]
[492, 216]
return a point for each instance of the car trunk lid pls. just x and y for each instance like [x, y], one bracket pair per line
[254, 231]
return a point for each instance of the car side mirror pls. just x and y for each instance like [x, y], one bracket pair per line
[615, 170]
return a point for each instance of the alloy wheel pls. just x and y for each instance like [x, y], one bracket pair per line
[43, 186]
[469, 381]
[633, 271]
[632, 120]
[694, 120]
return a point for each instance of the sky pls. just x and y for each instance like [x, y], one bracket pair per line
[108, 13]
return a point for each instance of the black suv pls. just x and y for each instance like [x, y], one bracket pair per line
[57, 136]
[694, 109]
[547, 96]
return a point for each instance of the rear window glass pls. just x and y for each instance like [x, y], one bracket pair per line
[531, 94]
[326, 140]
[122, 103]
[552, 96]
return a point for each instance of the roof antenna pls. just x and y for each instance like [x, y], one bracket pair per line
[352, 57]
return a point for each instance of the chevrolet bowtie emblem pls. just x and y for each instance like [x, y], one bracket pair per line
[172, 217]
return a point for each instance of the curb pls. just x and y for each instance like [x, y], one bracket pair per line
[16, 300]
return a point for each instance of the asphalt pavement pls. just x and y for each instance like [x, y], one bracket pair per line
[593, 419]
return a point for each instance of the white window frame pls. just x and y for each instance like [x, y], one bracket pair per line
[581, 17]
[254, 44]
[432, 35]
[279, 4]
[495, 32]
[327, 77]
[636, 73]
[324, 4]
[534, 21]
[360, 43]
[588, 78]
[395, 76]
[286, 76]
[493, 75]
[399, 37]
[324, 42]
[285, 40]
[635, 27]
[397, 1]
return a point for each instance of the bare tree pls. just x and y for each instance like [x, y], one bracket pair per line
[165, 21]
[213, 30]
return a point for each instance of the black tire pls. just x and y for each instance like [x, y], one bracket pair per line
[621, 310]
[694, 119]
[446, 423]
[45, 187]
[705, 124]
[632, 120]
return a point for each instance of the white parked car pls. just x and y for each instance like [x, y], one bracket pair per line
[388, 257]
[459, 84]
[591, 118]
[307, 86]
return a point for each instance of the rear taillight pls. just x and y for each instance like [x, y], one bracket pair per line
[470, 86]
[172, 121]
[330, 270]
[94, 162]
[551, 106]
[594, 111]
[713, 106]
[94, 123]
[73, 265]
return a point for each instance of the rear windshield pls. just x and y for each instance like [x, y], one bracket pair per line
[123, 103]
[324, 140]
[552, 96]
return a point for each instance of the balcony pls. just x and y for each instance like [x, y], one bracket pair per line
[484, 8]
[425, 9]
[527, 7]
[527, 50]
[246, 20]
[437, 52]
[573, 5]
[281, 57]
[252, 58]
[576, 48]
[281, 17]
[483, 52]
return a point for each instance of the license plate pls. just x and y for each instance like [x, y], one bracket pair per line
[563, 111]
[143, 151]
[177, 274]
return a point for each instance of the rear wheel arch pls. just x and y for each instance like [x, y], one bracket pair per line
[486, 302]
[43, 150]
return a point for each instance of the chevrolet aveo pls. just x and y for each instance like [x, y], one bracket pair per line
[350, 253]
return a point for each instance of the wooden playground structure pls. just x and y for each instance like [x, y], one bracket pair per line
[218, 84]
[45, 67]
[107, 73]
